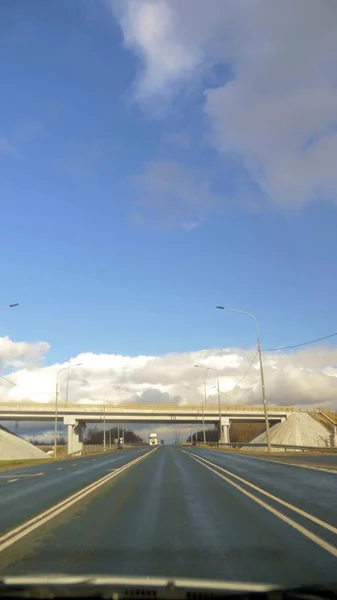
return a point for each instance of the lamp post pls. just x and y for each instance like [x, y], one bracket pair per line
[202, 406]
[204, 402]
[218, 395]
[56, 402]
[104, 429]
[118, 387]
[261, 368]
[67, 388]
[68, 374]
[9, 306]
[217, 390]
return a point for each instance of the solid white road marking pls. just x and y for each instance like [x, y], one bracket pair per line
[21, 476]
[12, 480]
[306, 532]
[22, 530]
[301, 466]
[272, 497]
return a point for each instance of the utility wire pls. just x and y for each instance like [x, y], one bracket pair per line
[9, 381]
[20, 385]
[303, 343]
[243, 376]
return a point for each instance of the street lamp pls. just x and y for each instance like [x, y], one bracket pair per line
[9, 306]
[118, 387]
[67, 388]
[188, 387]
[217, 390]
[204, 402]
[56, 400]
[244, 312]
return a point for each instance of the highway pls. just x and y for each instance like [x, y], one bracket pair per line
[176, 512]
[25, 492]
[320, 460]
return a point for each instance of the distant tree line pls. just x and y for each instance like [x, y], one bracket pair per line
[212, 435]
[96, 436]
[61, 441]
[240, 431]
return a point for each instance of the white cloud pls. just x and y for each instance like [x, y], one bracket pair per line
[277, 109]
[152, 30]
[20, 353]
[307, 377]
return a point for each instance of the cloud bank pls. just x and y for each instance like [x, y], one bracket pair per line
[268, 78]
[305, 378]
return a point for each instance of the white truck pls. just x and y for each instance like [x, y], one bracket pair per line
[153, 439]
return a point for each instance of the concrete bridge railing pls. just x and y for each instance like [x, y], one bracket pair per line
[126, 407]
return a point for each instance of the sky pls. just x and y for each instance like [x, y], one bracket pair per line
[158, 158]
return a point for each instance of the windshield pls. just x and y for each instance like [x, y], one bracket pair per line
[168, 346]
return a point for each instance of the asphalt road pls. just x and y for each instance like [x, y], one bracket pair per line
[25, 492]
[323, 461]
[173, 514]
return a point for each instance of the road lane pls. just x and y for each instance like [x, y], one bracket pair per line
[312, 490]
[27, 491]
[287, 512]
[168, 515]
[316, 461]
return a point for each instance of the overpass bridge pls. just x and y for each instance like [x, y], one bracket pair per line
[75, 416]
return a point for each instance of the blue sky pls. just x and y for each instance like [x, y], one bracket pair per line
[99, 245]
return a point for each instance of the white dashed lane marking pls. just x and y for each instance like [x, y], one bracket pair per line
[20, 476]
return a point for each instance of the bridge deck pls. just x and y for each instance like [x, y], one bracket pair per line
[121, 407]
[133, 413]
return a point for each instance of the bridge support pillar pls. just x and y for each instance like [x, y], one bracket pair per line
[224, 426]
[75, 434]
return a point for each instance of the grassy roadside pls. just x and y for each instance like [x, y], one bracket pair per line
[262, 454]
[15, 464]
[6, 465]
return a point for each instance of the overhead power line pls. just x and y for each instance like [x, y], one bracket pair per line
[20, 385]
[326, 337]
[9, 381]
[243, 376]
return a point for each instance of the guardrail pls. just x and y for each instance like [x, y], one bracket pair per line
[246, 445]
[99, 449]
[87, 449]
[93, 448]
[121, 407]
